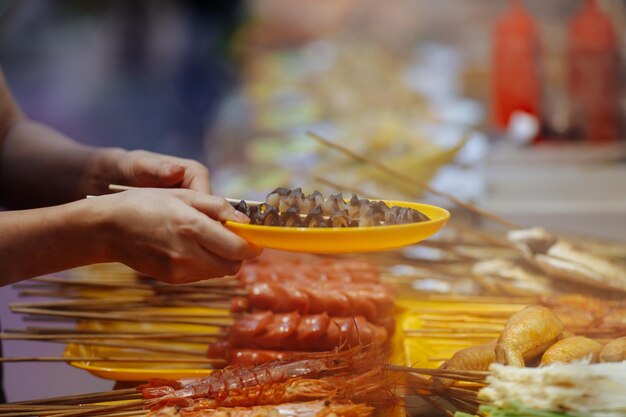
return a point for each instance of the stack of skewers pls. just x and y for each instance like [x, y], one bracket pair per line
[276, 305]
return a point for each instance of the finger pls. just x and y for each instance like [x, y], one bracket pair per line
[216, 238]
[203, 265]
[196, 176]
[150, 171]
[215, 207]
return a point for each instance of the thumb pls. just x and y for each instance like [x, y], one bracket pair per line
[215, 207]
[156, 173]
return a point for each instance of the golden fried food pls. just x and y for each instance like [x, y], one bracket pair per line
[571, 348]
[614, 351]
[527, 334]
[474, 358]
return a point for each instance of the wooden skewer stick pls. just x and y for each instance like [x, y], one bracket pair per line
[118, 187]
[438, 406]
[196, 360]
[444, 373]
[85, 398]
[412, 181]
[117, 407]
[115, 317]
[117, 336]
[147, 348]
[480, 336]
[132, 286]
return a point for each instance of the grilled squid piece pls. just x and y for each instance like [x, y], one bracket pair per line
[274, 198]
[252, 212]
[315, 218]
[291, 218]
[267, 216]
[368, 218]
[330, 205]
[298, 197]
[311, 201]
[341, 203]
[339, 218]
[614, 351]
[378, 209]
[571, 348]
[527, 334]
[354, 207]
[391, 215]
[409, 215]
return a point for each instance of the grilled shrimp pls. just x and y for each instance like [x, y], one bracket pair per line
[527, 334]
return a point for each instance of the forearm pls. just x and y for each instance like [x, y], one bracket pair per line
[46, 240]
[41, 167]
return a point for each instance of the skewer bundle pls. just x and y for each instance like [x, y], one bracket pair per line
[349, 382]
[278, 304]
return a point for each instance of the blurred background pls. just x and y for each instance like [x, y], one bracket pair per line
[518, 106]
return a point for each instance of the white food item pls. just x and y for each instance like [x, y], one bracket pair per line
[578, 388]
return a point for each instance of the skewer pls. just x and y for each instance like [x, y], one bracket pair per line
[443, 373]
[156, 349]
[119, 187]
[202, 361]
[128, 304]
[117, 336]
[118, 317]
[442, 335]
[130, 405]
[120, 285]
[438, 406]
[412, 181]
[84, 398]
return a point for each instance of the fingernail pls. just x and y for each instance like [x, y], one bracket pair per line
[240, 217]
[172, 168]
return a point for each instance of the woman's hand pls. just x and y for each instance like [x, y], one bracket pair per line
[148, 169]
[175, 236]
[144, 169]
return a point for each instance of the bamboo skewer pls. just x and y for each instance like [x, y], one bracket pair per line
[84, 398]
[90, 334]
[438, 406]
[116, 317]
[156, 349]
[177, 360]
[412, 181]
[467, 375]
[132, 286]
[130, 405]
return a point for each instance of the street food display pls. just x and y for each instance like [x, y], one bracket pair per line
[350, 382]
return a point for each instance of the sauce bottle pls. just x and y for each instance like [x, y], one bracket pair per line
[593, 65]
[515, 80]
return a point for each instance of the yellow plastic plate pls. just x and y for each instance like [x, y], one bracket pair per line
[345, 239]
[435, 345]
[140, 371]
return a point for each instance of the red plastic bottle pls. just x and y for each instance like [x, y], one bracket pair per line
[515, 80]
[594, 75]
